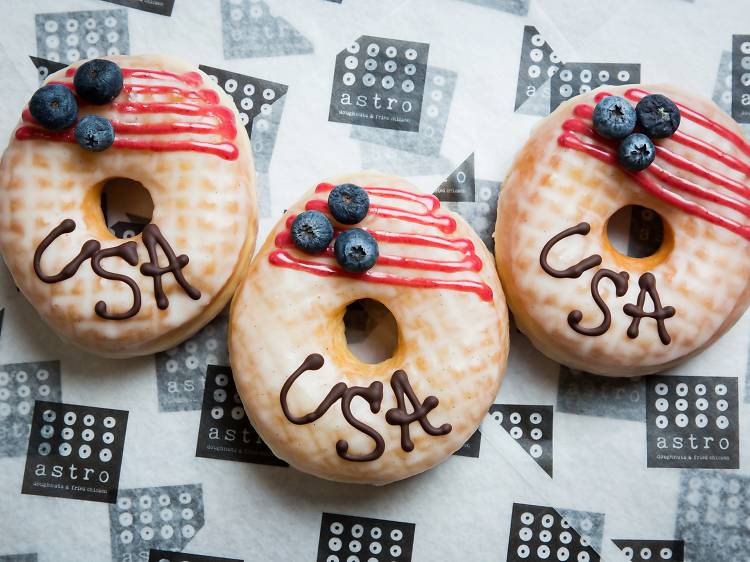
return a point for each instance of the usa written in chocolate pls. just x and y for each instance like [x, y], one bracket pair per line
[127, 251]
[373, 394]
[646, 282]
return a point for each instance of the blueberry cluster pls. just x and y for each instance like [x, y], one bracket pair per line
[355, 249]
[55, 106]
[655, 117]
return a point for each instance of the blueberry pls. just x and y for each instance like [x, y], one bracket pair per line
[312, 232]
[636, 152]
[95, 133]
[98, 81]
[356, 250]
[614, 118]
[658, 116]
[348, 203]
[54, 107]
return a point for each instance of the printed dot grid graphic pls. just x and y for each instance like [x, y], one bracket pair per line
[261, 105]
[580, 77]
[543, 533]
[346, 538]
[46, 67]
[517, 7]
[167, 556]
[582, 393]
[440, 84]
[537, 65]
[20, 385]
[713, 516]
[692, 422]
[74, 452]
[163, 517]
[651, 550]
[380, 82]
[531, 426]
[722, 95]
[225, 432]
[250, 29]
[741, 78]
[181, 371]
[67, 37]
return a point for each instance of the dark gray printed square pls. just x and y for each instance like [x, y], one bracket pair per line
[580, 77]
[345, 537]
[712, 515]
[531, 426]
[161, 7]
[45, 67]
[638, 550]
[438, 94]
[20, 385]
[67, 37]
[155, 555]
[741, 78]
[250, 29]
[74, 452]
[692, 422]
[537, 65]
[164, 517]
[471, 447]
[18, 557]
[379, 82]
[181, 371]
[540, 533]
[225, 432]
[587, 394]
[517, 7]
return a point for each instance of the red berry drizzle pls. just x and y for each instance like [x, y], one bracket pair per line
[428, 216]
[656, 177]
[192, 101]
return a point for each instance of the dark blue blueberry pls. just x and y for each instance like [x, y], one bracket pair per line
[312, 232]
[98, 81]
[348, 203]
[356, 250]
[636, 152]
[658, 116]
[54, 107]
[95, 133]
[614, 118]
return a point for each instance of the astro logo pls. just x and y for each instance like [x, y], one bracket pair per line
[74, 452]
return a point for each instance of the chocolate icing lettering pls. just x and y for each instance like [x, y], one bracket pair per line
[574, 271]
[620, 281]
[647, 283]
[373, 394]
[128, 251]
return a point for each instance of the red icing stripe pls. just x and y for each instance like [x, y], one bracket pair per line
[469, 261]
[223, 124]
[576, 126]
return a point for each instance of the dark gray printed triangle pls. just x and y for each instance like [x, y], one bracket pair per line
[471, 447]
[576, 78]
[537, 65]
[347, 537]
[637, 550]
[250, 29]
[459, 186]
[156, 555]
[20, 385]
[540, 533]
[225, 432]
[531, 427]
[163, 517]
[46, 67]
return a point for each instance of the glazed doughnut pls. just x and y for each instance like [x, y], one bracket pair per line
[312, 401]
[583, 303]
[177, 133]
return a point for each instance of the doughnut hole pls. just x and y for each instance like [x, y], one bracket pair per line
[371, 331]
[638, 237]
[126, 206]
